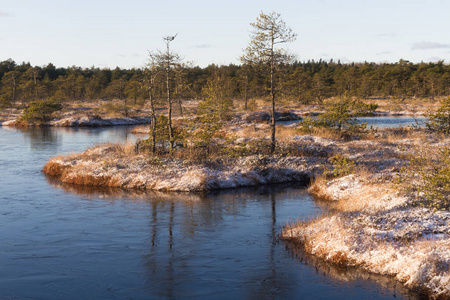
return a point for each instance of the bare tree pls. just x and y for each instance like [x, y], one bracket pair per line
[269, 30]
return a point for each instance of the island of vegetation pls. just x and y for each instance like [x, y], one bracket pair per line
[271, 120]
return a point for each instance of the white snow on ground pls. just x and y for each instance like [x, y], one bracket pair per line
[9, 123]
[380, 231]
[371, 225]
[88, 122]
[105, 166]
[97, 122]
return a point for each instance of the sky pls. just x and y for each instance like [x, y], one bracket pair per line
[112, 33]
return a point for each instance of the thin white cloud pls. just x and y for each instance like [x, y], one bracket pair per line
[429, 45]
[202, 46]
[384, 52]
[391, 34]
[120, 55]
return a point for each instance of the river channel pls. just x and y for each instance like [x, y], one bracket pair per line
[67, 242]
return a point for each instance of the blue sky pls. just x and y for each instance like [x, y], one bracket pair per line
[119, 33]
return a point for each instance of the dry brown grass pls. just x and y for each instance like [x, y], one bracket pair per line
[54, 168]
[411, 105]
[260, 131]
[318, 188]
[334, 238]
[324, 133]
[140, 130]
[285, 133]
[257, 131]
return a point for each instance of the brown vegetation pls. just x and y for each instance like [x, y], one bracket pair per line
[373, 225]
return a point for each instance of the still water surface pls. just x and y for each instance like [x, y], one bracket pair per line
[382, 122]
[67, 242]
[392, 122]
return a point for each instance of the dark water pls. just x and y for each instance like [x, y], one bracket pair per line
[67, 242]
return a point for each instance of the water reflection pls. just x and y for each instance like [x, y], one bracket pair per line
[226, 243]
[114, 193]
[387, 285]
[193, 250]
[66, 241]
[40, 138]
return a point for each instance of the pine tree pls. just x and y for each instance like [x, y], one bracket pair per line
[269, 31]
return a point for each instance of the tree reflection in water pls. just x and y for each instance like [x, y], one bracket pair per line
[351, 274]
[225, 244]
[41, 138]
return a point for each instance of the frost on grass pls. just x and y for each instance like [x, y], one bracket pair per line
[372, 226]
[117, 166]
[381, 231]
[85, 121]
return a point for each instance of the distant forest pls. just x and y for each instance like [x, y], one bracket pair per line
[304, 82]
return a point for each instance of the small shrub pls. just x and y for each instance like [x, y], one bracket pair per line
[340, 166]
[40, 111]
[440, 120]
[361, 109]
[115, 109]
[427, 178]
[340, 118]
[202, 131]
[156, 161]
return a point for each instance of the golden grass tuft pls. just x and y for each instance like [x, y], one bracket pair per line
[88, 179]
[318, 188]
[54, 167]
[140, 130]
[285, 133]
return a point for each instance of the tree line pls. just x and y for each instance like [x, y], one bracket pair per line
[305, 82]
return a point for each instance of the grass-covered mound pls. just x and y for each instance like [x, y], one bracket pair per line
[390, 218]
[116, 165]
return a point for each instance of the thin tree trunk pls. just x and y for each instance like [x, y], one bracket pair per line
[153, 122]
[14, 89]
[169, 100]
[272, 91]
[246, 93]
[181, 107]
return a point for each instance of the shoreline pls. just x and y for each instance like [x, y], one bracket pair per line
[82, 122]
[370, 225]
[389, 237]
[374, 226]
[111, 166]
[243, 118]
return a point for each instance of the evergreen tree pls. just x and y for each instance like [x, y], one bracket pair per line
[269, 31]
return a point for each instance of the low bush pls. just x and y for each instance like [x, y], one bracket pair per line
[427, 178]
[340, 166]
[339, 118]
[439, 120]
[40, 111]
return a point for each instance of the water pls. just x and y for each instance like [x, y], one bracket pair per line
[383, 122]
[392, 122]
[67, 242]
